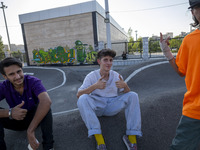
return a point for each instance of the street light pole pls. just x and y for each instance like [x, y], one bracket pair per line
[3, 6]
[107, 21]
[136, 34]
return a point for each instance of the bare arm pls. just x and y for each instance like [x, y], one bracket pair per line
[126, 88]
[164, 45]
[4, 113]
[87, 90]
[173, 64]
[42, 110]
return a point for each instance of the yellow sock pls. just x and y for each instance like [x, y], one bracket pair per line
[99, 139]
[132, 139]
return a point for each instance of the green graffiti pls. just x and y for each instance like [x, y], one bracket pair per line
[81, 54]
[65, 55]
[91, 57]
[40, 56]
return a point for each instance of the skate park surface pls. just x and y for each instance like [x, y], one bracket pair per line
[160, 91]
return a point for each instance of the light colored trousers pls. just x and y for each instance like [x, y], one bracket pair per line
[91, 106]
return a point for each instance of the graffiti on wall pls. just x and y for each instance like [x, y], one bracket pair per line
[79, 54]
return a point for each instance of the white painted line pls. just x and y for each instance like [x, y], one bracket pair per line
[145, 67]
[28, 73]
[64, 76]
[63, 112]
[127, 79]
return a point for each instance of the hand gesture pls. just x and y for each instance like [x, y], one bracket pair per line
[18, 113]
[101, 84]
[165, 48]
[32, 140]
[165, 41]
[120, 83]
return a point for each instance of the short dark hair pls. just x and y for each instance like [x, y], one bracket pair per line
[106, 52]
[8, 62]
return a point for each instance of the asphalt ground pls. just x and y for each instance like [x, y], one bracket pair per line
[160, 92]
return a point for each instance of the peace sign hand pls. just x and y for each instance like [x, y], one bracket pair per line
[165, 48]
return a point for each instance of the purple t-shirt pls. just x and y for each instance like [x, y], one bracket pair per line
[32, 88]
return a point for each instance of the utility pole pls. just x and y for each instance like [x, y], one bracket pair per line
[136, 35]
[107, 21]
[3, 6]
[136, 39]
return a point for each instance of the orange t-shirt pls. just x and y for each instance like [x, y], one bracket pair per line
[188, 62]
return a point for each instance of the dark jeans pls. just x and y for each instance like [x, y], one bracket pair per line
[187, 134]
[46, 127]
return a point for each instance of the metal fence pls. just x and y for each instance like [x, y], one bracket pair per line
[134, 50]
[155, 51]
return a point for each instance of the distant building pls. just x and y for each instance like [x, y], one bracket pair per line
[183, 34]
[168, 34]
[15, 48]
[155, 37]
[69, 27]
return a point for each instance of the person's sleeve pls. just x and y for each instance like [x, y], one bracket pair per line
[38, 87]
[86, 83]
[182, 58]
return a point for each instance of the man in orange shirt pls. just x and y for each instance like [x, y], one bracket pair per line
[187, 63]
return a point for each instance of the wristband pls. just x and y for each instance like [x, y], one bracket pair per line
[171, 59]
[10, 113]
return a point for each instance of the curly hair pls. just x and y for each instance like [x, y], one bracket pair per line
[106, 52]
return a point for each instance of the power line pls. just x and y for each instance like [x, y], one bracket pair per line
[150, 8]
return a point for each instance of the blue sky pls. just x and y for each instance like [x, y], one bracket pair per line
[135, 14]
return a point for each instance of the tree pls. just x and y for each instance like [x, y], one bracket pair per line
[2, 54]
[175, 43]
[154, 45]
[138, 45]
[17, 54]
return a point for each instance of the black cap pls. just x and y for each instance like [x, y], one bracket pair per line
[193, 3]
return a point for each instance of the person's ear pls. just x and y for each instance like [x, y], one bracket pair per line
[5, 77]
[99, 61]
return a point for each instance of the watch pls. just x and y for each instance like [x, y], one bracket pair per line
[10, 113]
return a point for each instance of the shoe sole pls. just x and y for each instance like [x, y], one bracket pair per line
[126, 143]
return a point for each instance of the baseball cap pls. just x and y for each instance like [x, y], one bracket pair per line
[193, 3]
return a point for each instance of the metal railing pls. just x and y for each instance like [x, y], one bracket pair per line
[133, 49]
[155, 51]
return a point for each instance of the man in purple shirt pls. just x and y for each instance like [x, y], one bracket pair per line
[29, 105]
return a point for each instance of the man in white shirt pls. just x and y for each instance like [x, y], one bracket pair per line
[104, 93]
